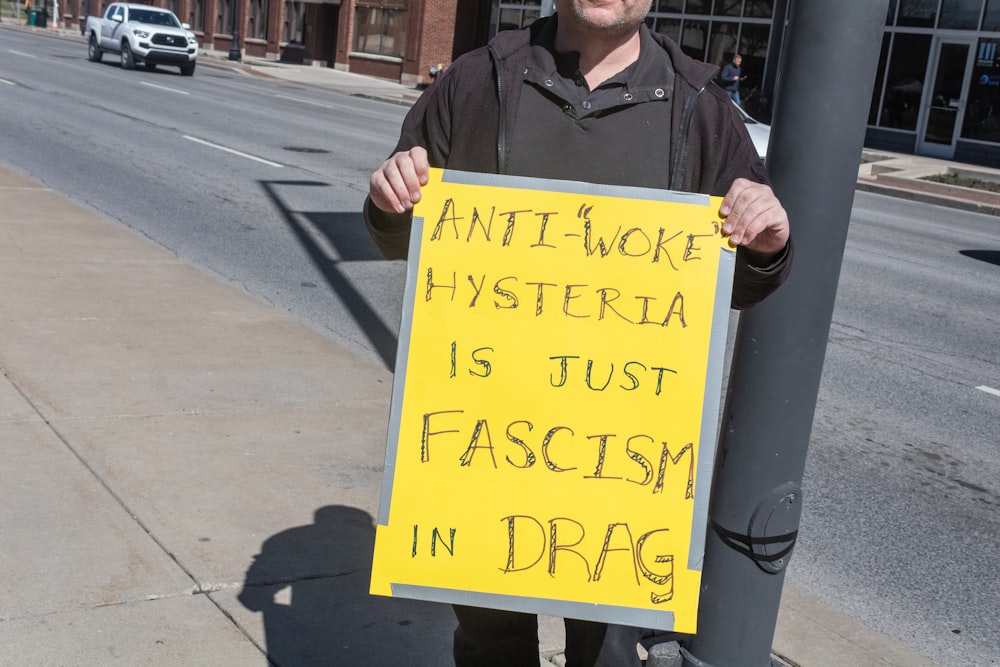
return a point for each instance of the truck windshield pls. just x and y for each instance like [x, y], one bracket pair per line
[152, 18]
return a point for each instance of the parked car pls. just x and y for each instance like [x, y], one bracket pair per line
[142, 34]
[760, 133]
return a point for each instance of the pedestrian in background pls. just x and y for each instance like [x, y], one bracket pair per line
[589, 94]
[731, 78]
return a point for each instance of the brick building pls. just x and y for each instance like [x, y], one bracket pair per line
[403, 40]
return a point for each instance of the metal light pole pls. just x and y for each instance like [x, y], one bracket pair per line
[234, 50]
[815, 149]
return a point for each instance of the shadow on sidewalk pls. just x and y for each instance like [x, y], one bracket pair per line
[311, 584]
[346, 234]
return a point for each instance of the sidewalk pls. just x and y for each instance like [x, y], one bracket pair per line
[190, 476]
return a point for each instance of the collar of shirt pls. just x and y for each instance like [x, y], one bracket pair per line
[648, 79]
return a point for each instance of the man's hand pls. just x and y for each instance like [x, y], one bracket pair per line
[754, 218]
[395, 186]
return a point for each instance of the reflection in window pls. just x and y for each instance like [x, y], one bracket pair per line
[669, 6]
[699, 7]
[728, 7]
[905, 81]
[514, 14]
[991, 20]
[693, 39]
[879, 80]
[380, 31]
[295, 19]
[982, 111]
[257, 19]
[669, 27]
[224, 17]
[196, 15]
[759, 9]
[919, 13]
[723, 42]
[960, 14]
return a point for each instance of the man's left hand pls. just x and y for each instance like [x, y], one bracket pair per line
[754, 218]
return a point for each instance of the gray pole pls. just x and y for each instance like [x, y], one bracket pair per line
[824, 90]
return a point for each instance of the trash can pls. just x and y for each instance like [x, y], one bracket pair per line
[41, 18]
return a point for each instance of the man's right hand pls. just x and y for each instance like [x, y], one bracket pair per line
[395, 186]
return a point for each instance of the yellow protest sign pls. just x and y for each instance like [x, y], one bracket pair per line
[555, 405]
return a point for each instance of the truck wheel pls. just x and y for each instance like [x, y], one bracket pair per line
[93, 50]
[128, 60]
[187, 70]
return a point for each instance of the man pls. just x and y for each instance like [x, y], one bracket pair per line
[731, 78]
[590, 95]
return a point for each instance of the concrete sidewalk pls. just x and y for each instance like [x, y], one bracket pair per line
[190, 476]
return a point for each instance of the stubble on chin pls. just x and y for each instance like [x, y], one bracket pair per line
[589, 19]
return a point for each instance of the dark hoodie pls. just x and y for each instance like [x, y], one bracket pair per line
[465, 120]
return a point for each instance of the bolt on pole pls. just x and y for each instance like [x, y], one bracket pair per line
[823, 93]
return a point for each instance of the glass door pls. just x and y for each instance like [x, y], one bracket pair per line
[945, 105]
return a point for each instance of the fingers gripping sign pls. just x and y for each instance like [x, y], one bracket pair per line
[754, 218]
[395, 186]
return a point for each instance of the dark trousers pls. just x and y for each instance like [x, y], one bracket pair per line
[492, 638]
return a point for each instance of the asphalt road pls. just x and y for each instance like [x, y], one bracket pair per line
[260, 182]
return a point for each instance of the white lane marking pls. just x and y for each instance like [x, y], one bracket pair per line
[989, 390]
[234, 152]
[9, 83]
[298, 99]
[172, 90]
[22, 53]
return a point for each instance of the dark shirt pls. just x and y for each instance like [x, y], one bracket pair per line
[616, 134]
[730, 77]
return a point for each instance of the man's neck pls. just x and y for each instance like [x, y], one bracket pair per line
[602, 55]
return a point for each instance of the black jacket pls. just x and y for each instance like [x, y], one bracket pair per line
[464, 120]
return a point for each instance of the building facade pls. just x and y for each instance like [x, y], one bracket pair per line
[937, 89]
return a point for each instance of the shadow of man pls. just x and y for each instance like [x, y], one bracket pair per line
[311, 584]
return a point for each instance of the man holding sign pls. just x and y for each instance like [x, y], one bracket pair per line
[590, 95]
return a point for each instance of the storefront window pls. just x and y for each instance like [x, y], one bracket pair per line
[905, 81]
[669, 27]
[723, 43]
[728, 7]
[982, 111]
[295, 13]
[879, 81]
[917, 13]
[890, 16]
[991, 20]
[196, 15]
[380, 31]
[698, 7]
[514, 14]
[669, 6]
[224, 19]
[759, 9]
[693, 38]
[960, 14]
[257, 19]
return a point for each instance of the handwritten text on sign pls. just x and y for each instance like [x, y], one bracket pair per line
[546, 447]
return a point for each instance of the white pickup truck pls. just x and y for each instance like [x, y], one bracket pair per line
[142, 34]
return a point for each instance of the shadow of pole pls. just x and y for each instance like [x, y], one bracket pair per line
[349, 247]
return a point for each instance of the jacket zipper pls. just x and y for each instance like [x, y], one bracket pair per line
[502, 120]
[681, 152]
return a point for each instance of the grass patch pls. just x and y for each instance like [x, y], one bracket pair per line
[964, 181]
